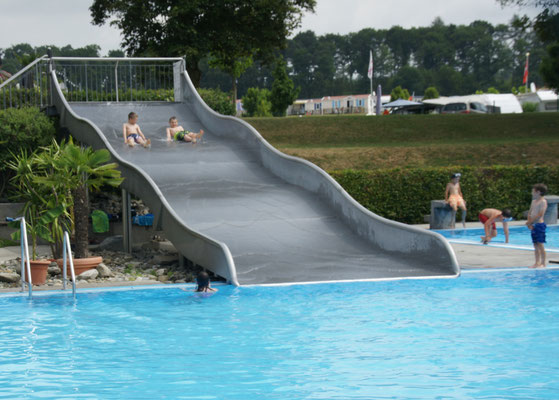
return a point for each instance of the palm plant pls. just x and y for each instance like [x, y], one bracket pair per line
[53, 183]
[45, 210]
[76, 170]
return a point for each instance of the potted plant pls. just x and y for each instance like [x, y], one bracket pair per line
[61, 175]
[45, 218]
[78, 170]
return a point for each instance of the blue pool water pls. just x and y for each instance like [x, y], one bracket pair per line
[518, 236]
[484, 335]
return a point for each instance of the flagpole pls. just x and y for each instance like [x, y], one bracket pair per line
[526, 68]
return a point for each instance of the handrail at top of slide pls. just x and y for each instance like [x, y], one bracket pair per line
[60, 101]
[22, 71]
[348, 205]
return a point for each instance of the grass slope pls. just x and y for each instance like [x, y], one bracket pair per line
[360, 142]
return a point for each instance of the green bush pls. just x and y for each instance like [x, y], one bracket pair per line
[431, 93]
[399, 93]
[405, 194]
[21, 129]
[256, 103]
[218, 101]
[529, 107]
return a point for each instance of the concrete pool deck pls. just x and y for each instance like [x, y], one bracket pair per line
[470, 257]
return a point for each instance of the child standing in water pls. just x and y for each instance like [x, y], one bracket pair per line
[536, 225]
[453, 196]
[132, 132]
[177, 132]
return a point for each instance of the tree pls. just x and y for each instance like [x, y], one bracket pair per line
[283, 92]
[257, 103]
[546, 25]
[231, 32]
[431, 93]
[399, 93]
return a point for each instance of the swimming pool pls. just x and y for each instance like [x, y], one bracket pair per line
[484, 335]
[519, 237]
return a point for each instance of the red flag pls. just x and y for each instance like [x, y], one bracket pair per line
[525, 73]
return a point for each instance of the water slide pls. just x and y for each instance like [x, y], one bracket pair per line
[244, 210]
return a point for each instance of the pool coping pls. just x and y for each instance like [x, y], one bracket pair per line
[498, 245]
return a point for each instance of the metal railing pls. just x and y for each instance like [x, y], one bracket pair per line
[92, 79]
[67, 256]
[25, 265]
[28, 87]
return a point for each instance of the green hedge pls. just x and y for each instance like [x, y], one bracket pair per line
[405, 194]
[216, 99]
[21, 129]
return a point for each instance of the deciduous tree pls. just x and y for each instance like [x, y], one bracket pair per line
[231, 32]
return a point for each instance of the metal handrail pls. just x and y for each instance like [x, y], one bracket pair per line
[101, 59]
[25, 258]
[67, 256]
[22, 71]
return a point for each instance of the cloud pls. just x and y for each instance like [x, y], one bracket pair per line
[333, 16]
[62, 22]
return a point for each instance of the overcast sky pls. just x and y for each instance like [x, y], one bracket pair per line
[62, 22]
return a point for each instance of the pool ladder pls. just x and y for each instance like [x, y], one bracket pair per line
[26, 267]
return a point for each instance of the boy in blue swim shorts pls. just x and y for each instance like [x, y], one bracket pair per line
[536, 225]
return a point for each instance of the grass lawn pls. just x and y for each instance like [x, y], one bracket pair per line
[361, 142]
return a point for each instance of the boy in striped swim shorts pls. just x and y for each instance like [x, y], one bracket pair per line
[178, 133]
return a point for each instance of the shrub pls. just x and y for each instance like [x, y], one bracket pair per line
[21, 129]
[257, 103]
[529, 107]
[405, 194]
[431, 93]
[399, 93]
[218, 101]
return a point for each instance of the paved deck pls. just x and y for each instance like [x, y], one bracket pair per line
[469, 257]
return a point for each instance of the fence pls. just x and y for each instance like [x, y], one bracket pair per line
[85, 79]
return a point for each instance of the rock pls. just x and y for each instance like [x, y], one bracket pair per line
[112, 243]
[166, 246]
[163, 278]
[104, 271]
[161, 272]
[9, 277]
[54, 269]
[134, 264]
[180, 281]
[89, 274]
[163, 259]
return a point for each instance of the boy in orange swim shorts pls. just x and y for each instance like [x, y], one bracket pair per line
[453, 196]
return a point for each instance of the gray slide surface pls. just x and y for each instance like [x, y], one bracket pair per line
[242, 209]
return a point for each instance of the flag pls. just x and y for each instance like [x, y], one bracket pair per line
[370, 73]
[525, 80]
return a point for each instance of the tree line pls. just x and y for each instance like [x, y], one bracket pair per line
[455, 59]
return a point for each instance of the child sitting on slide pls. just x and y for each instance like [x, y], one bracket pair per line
[132, 132]
[177, 132]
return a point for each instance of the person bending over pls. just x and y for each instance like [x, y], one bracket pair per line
[488, 217]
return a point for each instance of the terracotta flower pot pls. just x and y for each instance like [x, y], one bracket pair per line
[39, 269]
[80, 265]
